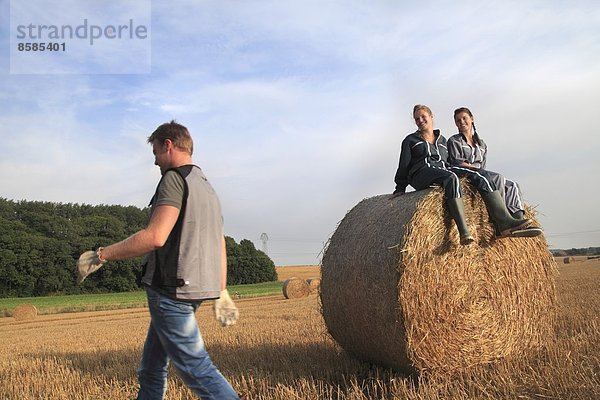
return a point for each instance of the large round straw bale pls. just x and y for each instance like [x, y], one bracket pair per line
[25, 312]
[568, 260]
[294, 288]
[313, 284]
[398, 290]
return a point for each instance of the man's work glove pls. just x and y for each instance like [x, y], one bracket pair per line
[88, 262]
[225, 310]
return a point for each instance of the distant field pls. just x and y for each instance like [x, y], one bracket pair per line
[570, 259]
[298, 271]
[113, 301]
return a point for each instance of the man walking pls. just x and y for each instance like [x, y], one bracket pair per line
[185, 263]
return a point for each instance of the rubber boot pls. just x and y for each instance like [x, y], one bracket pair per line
[530, 231]
[519, 214]
[503, 222]
[456, 209]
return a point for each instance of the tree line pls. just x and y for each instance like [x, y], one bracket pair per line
[41, 241]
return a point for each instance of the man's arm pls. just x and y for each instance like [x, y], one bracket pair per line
[152, 237]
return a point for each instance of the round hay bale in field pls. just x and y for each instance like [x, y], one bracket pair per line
[398, 290]
[25, 312]
[294, 288]
[313, 284]
[568, 260]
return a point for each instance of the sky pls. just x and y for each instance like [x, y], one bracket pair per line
[298, 108]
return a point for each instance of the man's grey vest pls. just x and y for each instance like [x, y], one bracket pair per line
[188, 266]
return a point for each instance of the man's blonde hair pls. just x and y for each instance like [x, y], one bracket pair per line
[177, 133]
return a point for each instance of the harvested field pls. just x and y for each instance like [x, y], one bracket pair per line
[570, 259]
[280, 350]
[299, 271]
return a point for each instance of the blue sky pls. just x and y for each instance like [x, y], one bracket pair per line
[298, 109]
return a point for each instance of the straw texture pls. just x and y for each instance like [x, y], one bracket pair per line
[25, 312]
[398, 290]
[313, 284]
[294, 288]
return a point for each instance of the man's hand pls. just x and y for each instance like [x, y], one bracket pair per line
[225, 310]
[88, 262]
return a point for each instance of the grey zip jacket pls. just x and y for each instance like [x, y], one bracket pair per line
[460, 151]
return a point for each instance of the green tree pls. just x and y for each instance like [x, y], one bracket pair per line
[41, 241]
[246, 264]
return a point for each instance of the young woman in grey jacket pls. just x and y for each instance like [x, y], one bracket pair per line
[468, 150]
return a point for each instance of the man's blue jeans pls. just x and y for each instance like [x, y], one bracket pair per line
[174, 336]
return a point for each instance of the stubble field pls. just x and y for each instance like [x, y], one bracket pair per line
[280, 349]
